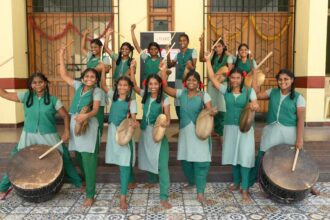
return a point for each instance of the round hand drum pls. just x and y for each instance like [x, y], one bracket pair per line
[33, 179]
[282, 184]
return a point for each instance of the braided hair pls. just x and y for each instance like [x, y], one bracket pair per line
[160, 91]
[154, 44]
[222, 54]
[97, 75]
[238, 49]
[131, 48]
[129, 82]
[29, 101]
[292, 76]
[235, 70]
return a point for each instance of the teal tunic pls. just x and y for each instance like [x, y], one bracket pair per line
[281, 119]
[121, 69]
[238, 147]
[151, 66]
[40, 124]
[190, 147]
[115, 153]
[93, 61]
[148, 151]
[247, 66]
[182, 59]
[218, 99]
[85, 142]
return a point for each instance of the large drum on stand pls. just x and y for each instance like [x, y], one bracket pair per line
[282, 184]
[36, 180]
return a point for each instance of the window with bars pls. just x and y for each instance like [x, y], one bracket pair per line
[249, 5]
[160, 15]
[72, 6]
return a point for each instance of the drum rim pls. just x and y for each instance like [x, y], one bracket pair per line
[26, 149]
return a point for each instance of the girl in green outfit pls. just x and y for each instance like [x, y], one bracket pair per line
[186, 59]
[86, 145]
[153, 157]
[40, 109]
[285, 117]
[94, 57]
[151, 56]
[218, 60]
[123, 59]
[194, 153]
[243, 60]
[238, 148]
[122, 107]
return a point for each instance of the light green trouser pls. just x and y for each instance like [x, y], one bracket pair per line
[70, 172]
[219, 123]
[88, 165]
[241, 176]
[164, 175]
[255, 170]
[196, 173]
[126, 174]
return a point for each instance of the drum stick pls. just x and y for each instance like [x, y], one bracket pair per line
[170, 49]
[264, 60]
[50, 150]
[295, 160]
[6, 61]
[142, 19]
[173, 37]
[216, 43]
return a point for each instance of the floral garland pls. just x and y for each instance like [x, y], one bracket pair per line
[67, 27]
[258, 31]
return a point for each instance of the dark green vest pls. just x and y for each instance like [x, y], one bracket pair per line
[216, 65]
[182, 59]
[247, 67]
[288, 108]
[118, 111]
[93, 61]
[155, 111]
[234, 106]
[121, 69]
[150, 67]
[190, 107]
[40, 117]
[79, 101]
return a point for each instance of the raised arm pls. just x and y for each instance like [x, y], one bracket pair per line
[106, 41]
[201, 48]
[65, 116]
[170, 63]
[300, 127]
[135, 42]
[83, 42]
[11, 96]
[210, 71]
[132, 68]
[168, 90]
[103, 83]
[64, 75]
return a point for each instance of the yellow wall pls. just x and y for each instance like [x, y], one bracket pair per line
[310, 40]
[15, 38]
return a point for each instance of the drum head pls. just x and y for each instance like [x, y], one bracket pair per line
[124, 132]
[277, 165]
[246, 119]
[204, 124]
[159, 131]
[26, 171]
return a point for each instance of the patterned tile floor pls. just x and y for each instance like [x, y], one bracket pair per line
[144, 204]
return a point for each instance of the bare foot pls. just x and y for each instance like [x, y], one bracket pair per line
[165, 204]
[315, 191]
[149, 185]
[233, 187]
[132, 185]
[82, 188]
[88, 202]
[187, 186]
[203, 200]
[245, 196]
[2, 195]
[123, 204]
